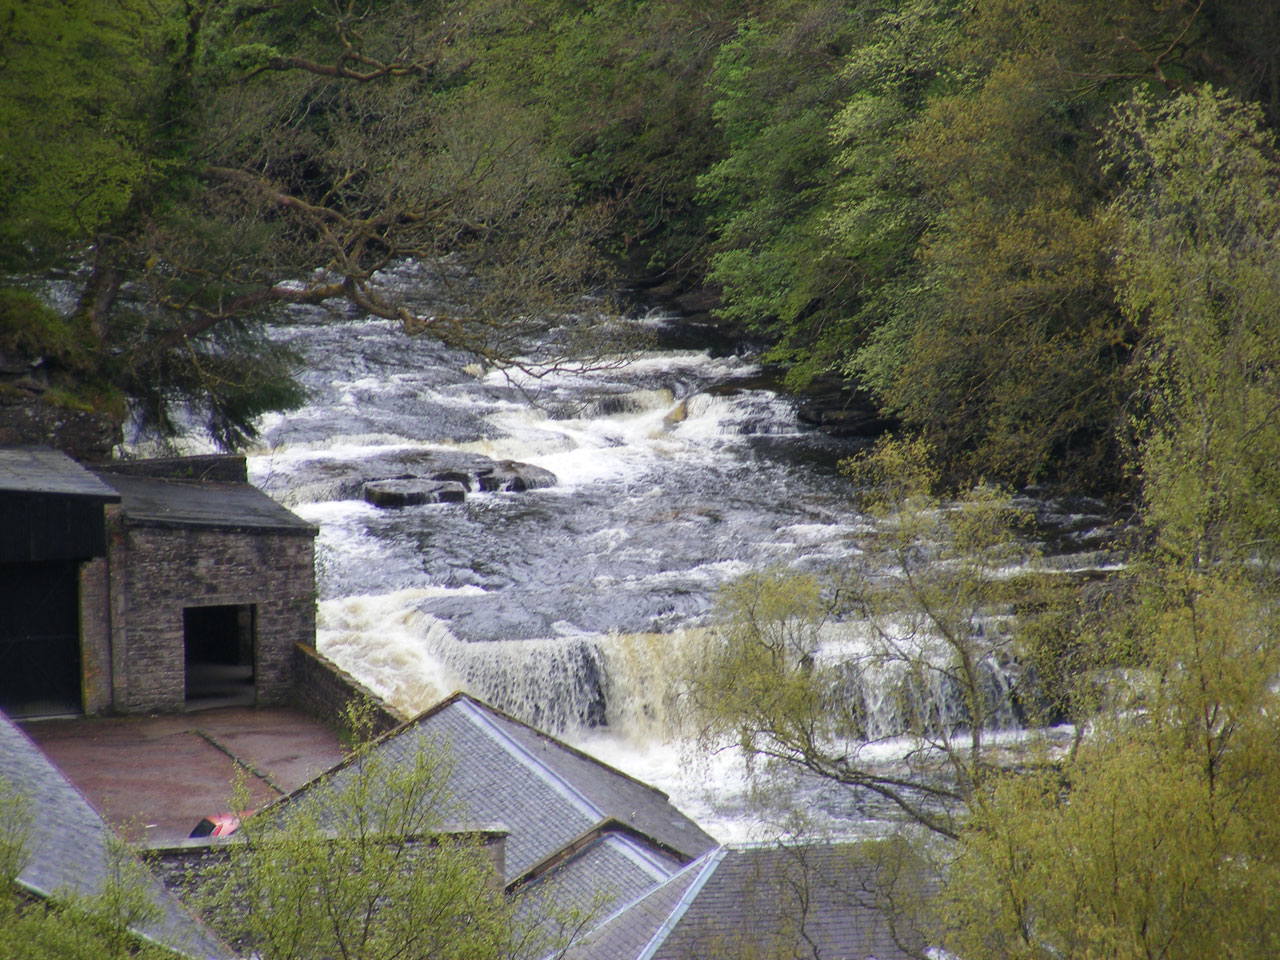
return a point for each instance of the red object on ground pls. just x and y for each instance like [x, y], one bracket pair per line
[218, 825]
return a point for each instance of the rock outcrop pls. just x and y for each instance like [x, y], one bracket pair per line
[84, 435]
[410, 477]
[408, 493]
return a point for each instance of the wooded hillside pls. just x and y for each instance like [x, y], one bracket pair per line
[935, 200]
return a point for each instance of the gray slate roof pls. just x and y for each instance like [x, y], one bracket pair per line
[633, 929]
[618, 796]
[839, 901]
[68, 847]
[545, 793]
[43, 470]
[209, 504]
[607, 874]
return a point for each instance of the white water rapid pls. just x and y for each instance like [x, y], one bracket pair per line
[566, 605]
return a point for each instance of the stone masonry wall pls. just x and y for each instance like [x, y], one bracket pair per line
[166, 569]
[95, 636]
[324, 690]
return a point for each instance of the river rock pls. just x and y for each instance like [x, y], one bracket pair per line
[513, 476]
[407, 493]
[467, 480]
[349, 479]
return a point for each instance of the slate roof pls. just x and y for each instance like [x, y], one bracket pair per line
[547, 795]
[809, 900]
[611, 871]
[239, 506]
[68, 842]
[43, 470]
[636, 804]
[629, 931]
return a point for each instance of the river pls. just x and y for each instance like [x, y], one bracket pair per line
[565, 605]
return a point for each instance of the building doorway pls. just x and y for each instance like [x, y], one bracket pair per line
[40, 639]
[219, 646]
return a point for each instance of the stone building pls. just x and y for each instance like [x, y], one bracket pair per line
[194, 593]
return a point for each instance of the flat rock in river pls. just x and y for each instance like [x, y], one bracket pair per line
[514, 476]
[336, 479]
[407, 493]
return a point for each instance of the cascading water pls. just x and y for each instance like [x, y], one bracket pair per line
[565, 605]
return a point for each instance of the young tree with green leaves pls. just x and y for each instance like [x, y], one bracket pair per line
[1199, 270]
[362, 863]
[932, 602]
[1157, 837]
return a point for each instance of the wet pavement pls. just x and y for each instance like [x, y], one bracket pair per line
[153, 778]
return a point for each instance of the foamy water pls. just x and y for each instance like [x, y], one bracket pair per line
[568, 605]
[571, 606]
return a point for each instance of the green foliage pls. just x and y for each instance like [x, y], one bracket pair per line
[77, 140]
[777, 86]
[15, 829]
[1199, 269]
[63, 348]
[228, 379]
[911, 193]
[1158, 837]
[1008, 361]
[29, 329]
[361, 868]
[878, 217]
[622, 88]
[70, 926]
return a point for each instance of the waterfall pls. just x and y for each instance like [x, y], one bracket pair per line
[572, 605]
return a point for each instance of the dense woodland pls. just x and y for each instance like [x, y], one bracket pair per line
[1044, 236]
[952, 205]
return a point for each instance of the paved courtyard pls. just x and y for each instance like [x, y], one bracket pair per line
[154, 777]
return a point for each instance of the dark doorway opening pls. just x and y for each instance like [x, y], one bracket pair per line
[219, 648]
[40, 639]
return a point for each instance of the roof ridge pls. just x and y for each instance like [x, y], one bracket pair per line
[693, 865]
[538, 732]
[682, 906]
[371, 745]
[557, 782]
[603, 830]
[632, 850]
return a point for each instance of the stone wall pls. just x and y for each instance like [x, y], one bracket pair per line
[222, 467]
[323, 690]
[95, 636]
[165, 569]
[186, 867]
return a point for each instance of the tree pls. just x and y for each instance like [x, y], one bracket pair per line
[363, 867]
[259, 156]
[998, 335]
[879, 208]
[623, 88]
[1198, 269]
[934, 603]
[1157, 837]
[777, 85]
